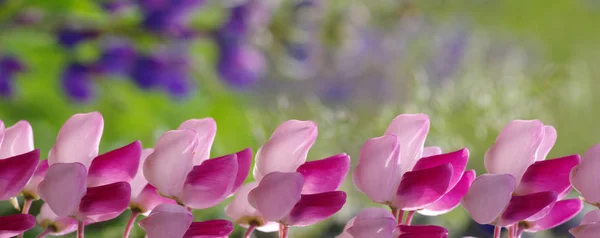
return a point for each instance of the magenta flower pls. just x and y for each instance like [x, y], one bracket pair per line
[521, 187]
[589, 227]
[81, 184]
[174, 221]
[13, 225]
[391, 169]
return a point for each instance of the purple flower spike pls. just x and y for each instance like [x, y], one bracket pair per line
[168, 17]
[8, 67]
[240, 65]
[77, 82]
[117, 59]
[70, 37]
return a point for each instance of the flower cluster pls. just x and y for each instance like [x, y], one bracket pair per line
[521, 190]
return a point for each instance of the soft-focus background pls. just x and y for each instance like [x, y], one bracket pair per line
[349, 65]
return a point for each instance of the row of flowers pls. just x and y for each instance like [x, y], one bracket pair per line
[521, 190]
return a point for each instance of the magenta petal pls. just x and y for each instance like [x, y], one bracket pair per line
[167, 221]
[425, 231]
[104, 202]
[244, 160]
[458, 159]
[63, 187]
[313, 208]
[277, 194]
[15, 172]
[488, 196]
[115, 166]
[548, 175]
[18, 139]
[423, 187]
[31, 189]
[15, 224]
[523, 207]
[562, 212]
[148, 199]
[324, 175]
[209, 229]
[451, 199]
[209, 183]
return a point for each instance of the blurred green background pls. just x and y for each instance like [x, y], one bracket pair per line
[520, 60]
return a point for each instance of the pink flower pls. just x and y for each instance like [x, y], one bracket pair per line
[521, 186]
[82, 184]
[144, 196]
[584, 176]
[391, 169]
[53, 224]
[589, 227]
[174, 221]
[15, 224]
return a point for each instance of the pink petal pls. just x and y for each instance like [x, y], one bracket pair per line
[488, 196]
[378, 172]
[138, 183]
[59, 225]
[30, 190]
[451, 199]
[287, 148]
[547, 144]
[2, 131]
[345, 233]
[240, 209]
[313, 208]
[373, 226]
[374, 212]
[13, 225]
[586, 231]
[148, 199]
[523, 207]
[15, 172]
[515, 148]
[431, 151]
[209, 183]
[277, 194]
[411, 130]
[18, 139]
[425, 231]
[548, 175]
[172, 160]
[584, 176]
[63, 187]
[562, 212]
[206, 129]
[423, 187]
[458, 159]
[78, 139]
[244, 161]
[167, 221]
[104, 202]
[209, 229]
[115, 166]
[591, 217]
[324, 175]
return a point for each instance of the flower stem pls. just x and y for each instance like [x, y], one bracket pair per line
[409, 217]
[400, 216]
[25, 210]
[249, 231]
[80, 228]
[497, 231]
[519, 232]
[130, 224]
[43, 234]
[511, 231]
[283, 231]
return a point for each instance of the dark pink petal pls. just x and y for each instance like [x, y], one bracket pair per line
[422, 187]
[78, 139]
[548, 175]
[548, 142]
[104, 202]
[167, 221]
[584, 176]
[15, 224]
[411, 130]
[431, 151]
[31, 189]
[18, 139]
[244, 160]
[488, 196]
[451, 199]
[515, 148]
[425, 231]
[277, 194]
[115, 166]
[209, 183]
[206, 129]
[148, 199]
[15, 172]
[562, 212]
[209, 229]
[313, 208]
[63, 187]
[378, 171]
[523, 207]
[324, 175]
[458, 159]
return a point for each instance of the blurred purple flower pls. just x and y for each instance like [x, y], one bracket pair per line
[168, 72]
[117, 59]
[114, 6]
[240, 65]
[70, 37]
[447, 60]
[169, 17]
[77, 82]
[8, 67]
